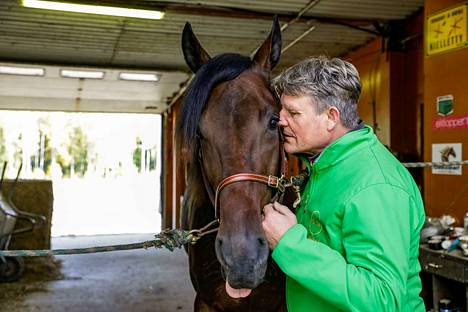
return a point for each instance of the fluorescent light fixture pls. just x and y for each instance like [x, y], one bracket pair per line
[68, 73]
[93, 9]
[139, 77]
[24, 71]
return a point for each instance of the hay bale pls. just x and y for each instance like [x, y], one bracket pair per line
[34, 196]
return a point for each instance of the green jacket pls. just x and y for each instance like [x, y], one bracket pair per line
[356, 244]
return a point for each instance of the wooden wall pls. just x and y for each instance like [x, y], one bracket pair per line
[173, 173]
[374, 104]
[404, 84]
[407, 90]
[445, 73]
[392, 87]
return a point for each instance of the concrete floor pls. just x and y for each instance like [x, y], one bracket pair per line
[134, 280]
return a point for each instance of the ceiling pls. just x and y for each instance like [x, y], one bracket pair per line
[110, 94]
[56, 38]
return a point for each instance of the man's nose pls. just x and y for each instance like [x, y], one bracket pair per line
[282, 121]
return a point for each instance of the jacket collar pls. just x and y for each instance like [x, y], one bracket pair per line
[344, 146]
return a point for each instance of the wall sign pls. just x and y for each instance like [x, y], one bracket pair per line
[445, 105]
[446, 30]
[447, 152]
[455, 122]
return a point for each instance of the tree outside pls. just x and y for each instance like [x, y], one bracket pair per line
[17, 146]
[42, 158]
[144, 159]
[3, 150]
[137, 154]
[72, 156]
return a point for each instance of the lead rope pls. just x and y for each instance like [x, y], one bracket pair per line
[296, 184]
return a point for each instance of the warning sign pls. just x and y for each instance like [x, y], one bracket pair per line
[447, 30]
[447, 152]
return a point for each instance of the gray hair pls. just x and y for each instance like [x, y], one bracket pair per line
[329, 81]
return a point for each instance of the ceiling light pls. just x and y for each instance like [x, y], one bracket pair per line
[93, 9]
[139, 77]
[67, 73]
[24, 71]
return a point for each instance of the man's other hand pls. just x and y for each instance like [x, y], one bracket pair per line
[277, 219]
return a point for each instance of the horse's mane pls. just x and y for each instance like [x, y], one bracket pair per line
[221, 68]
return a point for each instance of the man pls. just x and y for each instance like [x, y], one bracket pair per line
[353, 243]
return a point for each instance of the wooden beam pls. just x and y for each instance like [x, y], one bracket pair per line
[167, 209]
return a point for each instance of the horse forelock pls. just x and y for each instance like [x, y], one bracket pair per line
[221, 68]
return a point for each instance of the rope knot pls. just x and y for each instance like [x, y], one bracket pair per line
[170, 239]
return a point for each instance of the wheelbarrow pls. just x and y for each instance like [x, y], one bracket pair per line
[12, 268]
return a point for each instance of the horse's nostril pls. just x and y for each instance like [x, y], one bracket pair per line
[220, 242]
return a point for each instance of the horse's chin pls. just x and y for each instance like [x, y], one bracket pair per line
[237, 293]
[238, 288]
[241, 275]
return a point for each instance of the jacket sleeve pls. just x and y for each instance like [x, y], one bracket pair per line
[371, 274]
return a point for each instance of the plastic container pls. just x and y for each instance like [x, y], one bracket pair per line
[445, 305]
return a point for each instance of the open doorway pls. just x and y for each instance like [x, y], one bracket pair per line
[105, 168]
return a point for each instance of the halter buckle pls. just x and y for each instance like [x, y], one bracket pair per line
[276, 183]
[271, 181]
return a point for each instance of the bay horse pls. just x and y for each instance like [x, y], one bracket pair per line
[227, 126]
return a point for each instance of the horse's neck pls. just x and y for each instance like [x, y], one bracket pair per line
[197, 209]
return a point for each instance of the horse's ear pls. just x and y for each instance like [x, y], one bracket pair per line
[269, 53]
[194, 54]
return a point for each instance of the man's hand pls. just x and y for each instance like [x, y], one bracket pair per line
[277, 219]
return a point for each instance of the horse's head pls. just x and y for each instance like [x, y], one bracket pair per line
[447, 152]
[235, 131]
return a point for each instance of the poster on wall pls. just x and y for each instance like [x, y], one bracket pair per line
[447, 152]
[446, 30]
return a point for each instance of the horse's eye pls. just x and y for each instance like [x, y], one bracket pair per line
[274, 123]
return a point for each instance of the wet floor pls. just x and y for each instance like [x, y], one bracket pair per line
[134, 280]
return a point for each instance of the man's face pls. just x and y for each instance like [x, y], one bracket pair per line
[304, 130]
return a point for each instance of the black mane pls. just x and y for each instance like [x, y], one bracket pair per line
[221, 68]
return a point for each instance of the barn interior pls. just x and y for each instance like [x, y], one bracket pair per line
[53, 60]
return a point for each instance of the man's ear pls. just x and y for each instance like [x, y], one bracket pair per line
[334, 118]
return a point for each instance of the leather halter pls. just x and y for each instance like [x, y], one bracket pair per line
[279, 183]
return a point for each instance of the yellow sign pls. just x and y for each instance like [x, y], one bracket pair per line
[447, 30]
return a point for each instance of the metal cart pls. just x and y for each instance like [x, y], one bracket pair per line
[11, 268]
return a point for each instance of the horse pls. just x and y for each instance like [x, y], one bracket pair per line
[227, 130]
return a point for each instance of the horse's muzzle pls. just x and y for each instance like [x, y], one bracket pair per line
[244, 261]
